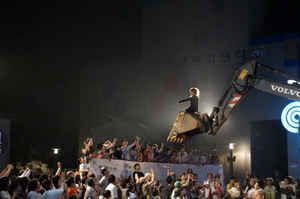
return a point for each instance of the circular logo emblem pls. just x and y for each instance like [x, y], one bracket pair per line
[290, 117]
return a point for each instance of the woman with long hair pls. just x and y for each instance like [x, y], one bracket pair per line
[193, 99]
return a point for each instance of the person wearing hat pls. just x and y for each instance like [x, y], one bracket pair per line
[148, 181]
[177, 185]
[214, 158]
[270, 189]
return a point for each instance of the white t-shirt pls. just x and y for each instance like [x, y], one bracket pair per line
[206, 189]
[53, 194]
[113, 190]
[5, 195]
[103, 182]
[131, 196]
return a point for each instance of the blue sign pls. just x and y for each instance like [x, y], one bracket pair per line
[290, 117]
[3, 142]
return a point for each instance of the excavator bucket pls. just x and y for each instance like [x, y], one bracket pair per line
[185, 127]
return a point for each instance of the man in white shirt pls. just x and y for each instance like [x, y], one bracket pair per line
[104, 180]
[112, 186]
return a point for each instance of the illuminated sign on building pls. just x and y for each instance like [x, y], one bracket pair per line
[290, 117]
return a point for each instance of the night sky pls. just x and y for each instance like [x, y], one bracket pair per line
[44, 44]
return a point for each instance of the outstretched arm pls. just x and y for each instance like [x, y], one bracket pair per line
[161, 148]
[135, 141]
[26, 173]
[152, 182]
[58, 169]
[168, 170]
[113, 143]
[6, 171]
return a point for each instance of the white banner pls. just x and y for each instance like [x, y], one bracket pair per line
[121, 169]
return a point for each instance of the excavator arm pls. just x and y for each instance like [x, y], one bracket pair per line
[245, 79]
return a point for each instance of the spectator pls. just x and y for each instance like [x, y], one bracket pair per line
[118, 152]
[286, 188]
[112, 186]
[150, 153]
[82, 166]
[215, 158]
[33, 190]
[174, 157]
[250, 186]
[137, 170]
[179, 193]
[126, 149]
[270, 190]
[231, 183]
[107, 194]
[72, 190]
[183, 156]
[133, 154]
[51, 193]
[88, 148]
[297, 186]
[23, 185]
[148, 181]
[157, 152]
[161, 191]
[70, 174]
[235, 192]
[91, 191]
[257, 192]
[4, 185]
[102, 153]
[201, 158]
[195, 177]
[131, 193]
[208, 184]
[104, 180]
[216, 190]
[167, 155]
[197, 192]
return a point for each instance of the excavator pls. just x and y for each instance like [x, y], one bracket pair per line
[245, 79]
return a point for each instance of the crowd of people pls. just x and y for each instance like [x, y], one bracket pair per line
[147, 153]
[139, 185]
[83, 184]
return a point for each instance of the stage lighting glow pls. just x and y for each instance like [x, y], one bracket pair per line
[290, 117]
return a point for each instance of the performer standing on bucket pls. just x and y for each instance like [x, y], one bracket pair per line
[193, 99]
